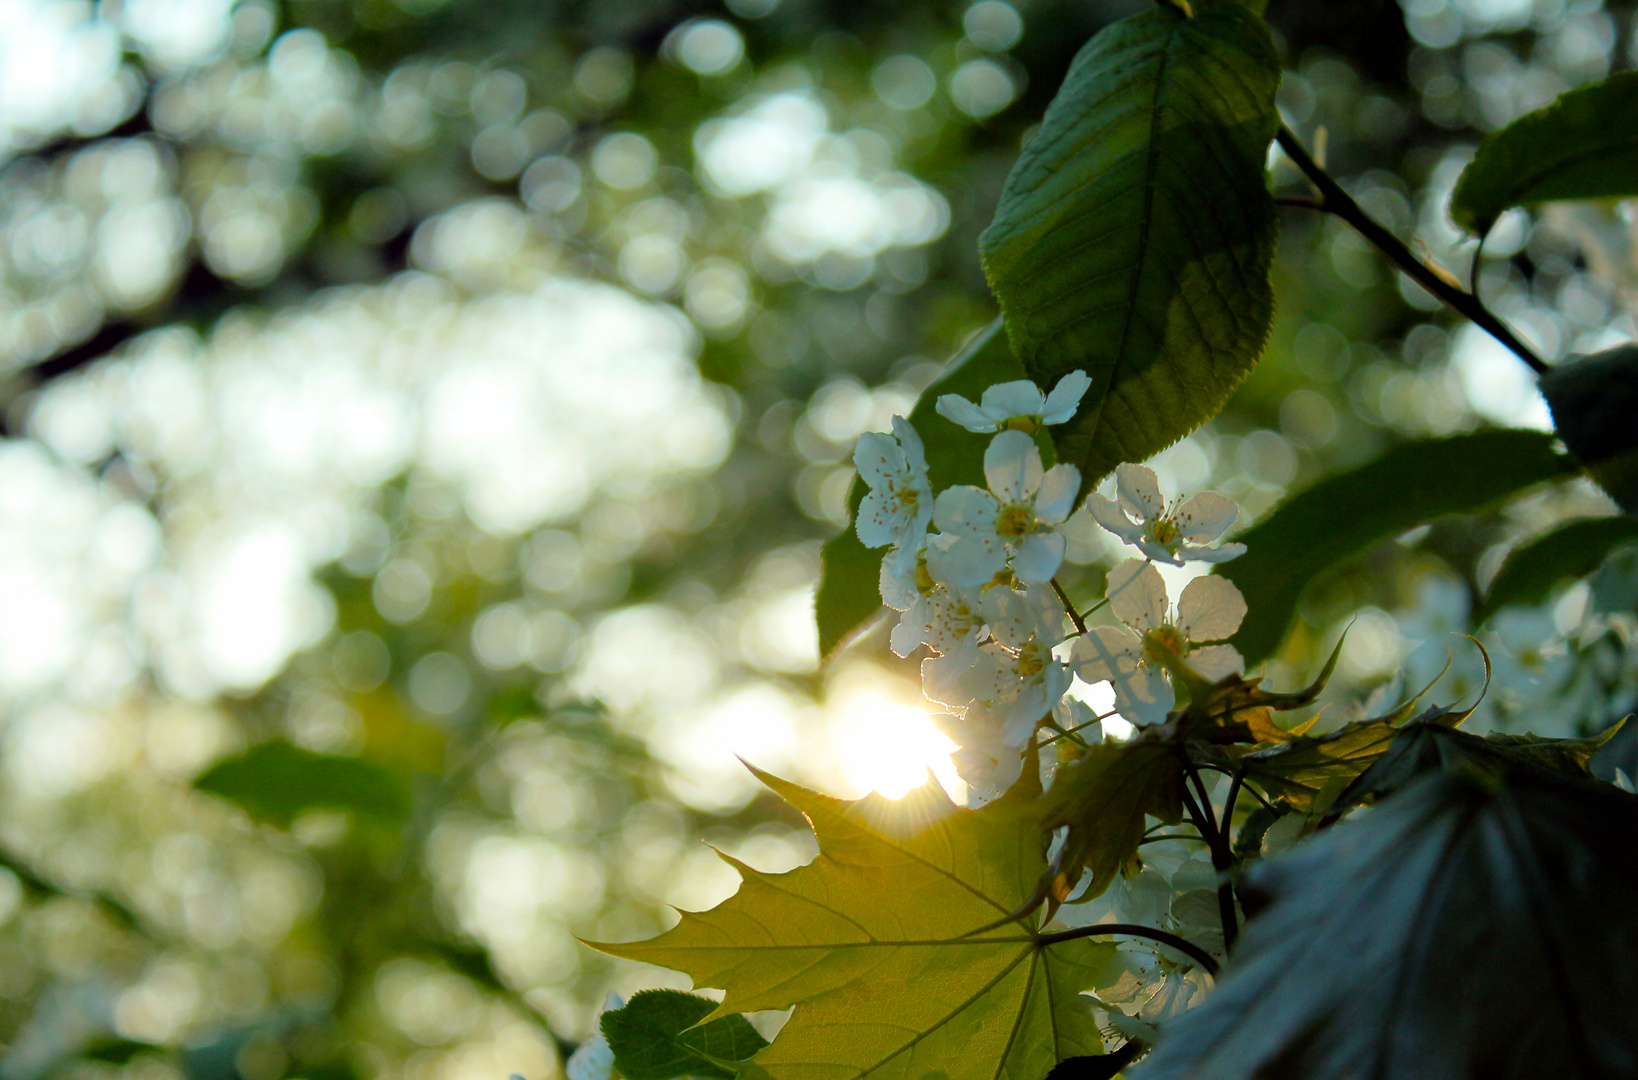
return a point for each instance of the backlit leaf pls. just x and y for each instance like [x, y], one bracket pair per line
[1573, 551]
[848, 596]
[276, 782]
[1343, 515]
[1134, 235]
[653, 1037]
[1582, 146]
[1466, 928]
[881, 945]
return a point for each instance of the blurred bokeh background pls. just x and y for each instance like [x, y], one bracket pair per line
[460, 392]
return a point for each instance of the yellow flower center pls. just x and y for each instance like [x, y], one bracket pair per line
[1164, 531]
[1031, 660]
[1015, 521]
[1026, 424]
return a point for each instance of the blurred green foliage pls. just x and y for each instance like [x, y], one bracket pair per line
[291, 163]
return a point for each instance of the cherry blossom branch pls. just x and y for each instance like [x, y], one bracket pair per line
[1334, 200]
[1182, 945]
[1222, 858]
[1069, 606]
[1070, 732]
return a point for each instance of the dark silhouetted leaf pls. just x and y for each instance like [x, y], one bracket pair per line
[1097, 1067]
[1582, 146]
[1574, 551]
[1595, 411]
[1425, 745]
[1135, 233]
[1103, 798]
[276, 782]
[1342, 516]
[848, 596]
[1467, 929]
[1310, 773]
[654, 1037]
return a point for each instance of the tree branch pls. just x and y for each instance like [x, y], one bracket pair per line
[1188, 948]
[1069, 606]
[1334, 200]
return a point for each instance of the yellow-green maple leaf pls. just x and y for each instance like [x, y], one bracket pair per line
[880, 944]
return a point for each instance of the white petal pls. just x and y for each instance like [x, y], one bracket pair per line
[954, 617]
[1221, 553]
[959, 409]
[1143, 696]
[970, 560]
[1155, 550]
[987, 775]
[907, 636]
[879, 522]
[1012, 465]
[1057, 495]
[897, 581]
[1065, 397]
[915, 456]
[1026, 712]
[965, 510]
[879, 458]
[1217, 662]
[942, 677]
[1009, 399]
[1106, 512]
[1137, 595]
[1075, 715]
[1009, 617]
[938, 545]
[1210, 609]
[1104, 653]
[1038, 557]
[1206, 517]
[1139, 491]
[1049, 614]
[993, 676]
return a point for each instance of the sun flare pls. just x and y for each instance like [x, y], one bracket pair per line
[884, 742]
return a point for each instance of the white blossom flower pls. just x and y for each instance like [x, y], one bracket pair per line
[1007, 685]
[1026, 685]
[899, 504]
[985, 763]
[1017, 406]
[1016, 516]
[1172, 534]
[1210, 609]
[950, 621]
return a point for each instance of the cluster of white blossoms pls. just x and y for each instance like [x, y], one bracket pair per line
[978, 590]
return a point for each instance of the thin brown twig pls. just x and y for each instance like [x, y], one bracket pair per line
[1334, 200]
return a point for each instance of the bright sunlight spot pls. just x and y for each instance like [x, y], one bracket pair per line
[883, 740]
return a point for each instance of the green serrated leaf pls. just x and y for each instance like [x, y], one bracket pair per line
[1135, 234]
[848, 596]
[1594, 400]
[1573, 551]
[1582, 146]
[1343, 515]
[654, 1037]
[1466, 928]
[895, 948]
[276, 782]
